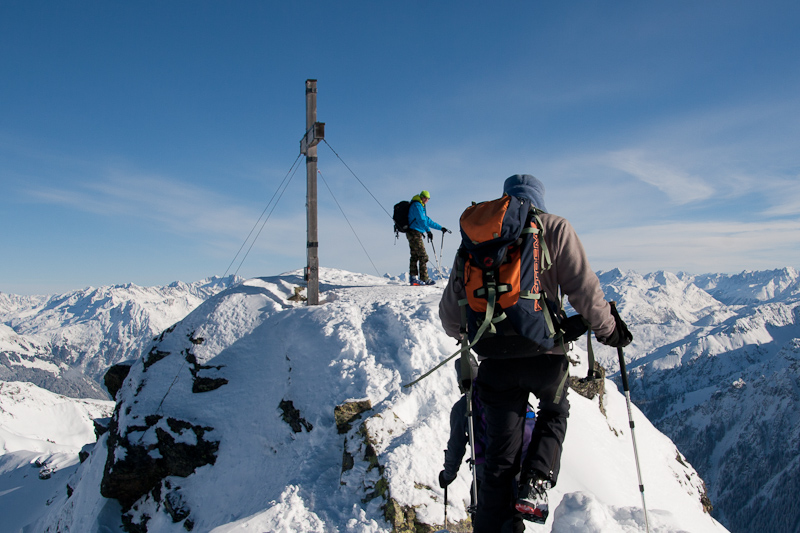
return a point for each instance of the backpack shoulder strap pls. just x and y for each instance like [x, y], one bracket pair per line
[546, 262]
[461, 260]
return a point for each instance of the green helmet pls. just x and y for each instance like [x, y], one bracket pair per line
[425, 194]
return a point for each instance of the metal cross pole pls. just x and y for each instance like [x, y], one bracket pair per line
[315, 132]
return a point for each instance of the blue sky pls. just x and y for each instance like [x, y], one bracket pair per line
[140, 141]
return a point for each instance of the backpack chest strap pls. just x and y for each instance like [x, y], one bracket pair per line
[483, 292]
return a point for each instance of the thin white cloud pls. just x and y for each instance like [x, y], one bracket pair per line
[697, 247]
[679, 185]
[175, 206]
[711, 163]
[785, 197]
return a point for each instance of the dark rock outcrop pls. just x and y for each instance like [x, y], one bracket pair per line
[292, 417]
[115, 376]
[134, 467]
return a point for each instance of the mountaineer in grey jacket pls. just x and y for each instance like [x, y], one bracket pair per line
[508, 372]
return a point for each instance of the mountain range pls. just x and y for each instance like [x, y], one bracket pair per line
[714, 366]
[65, 343]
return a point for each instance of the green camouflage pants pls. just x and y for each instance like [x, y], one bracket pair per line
[416, 243]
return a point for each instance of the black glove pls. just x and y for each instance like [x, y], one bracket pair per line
[430, 236]
[444, 479]
[621, 337]
[572, 328]
[445, 230]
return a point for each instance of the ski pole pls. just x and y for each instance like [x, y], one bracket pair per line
[441, 251]
[471, 430]
[433, 247]
[434, 265]
[445, 507]
[627, 390]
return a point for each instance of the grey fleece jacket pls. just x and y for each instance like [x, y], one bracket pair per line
[570, 271]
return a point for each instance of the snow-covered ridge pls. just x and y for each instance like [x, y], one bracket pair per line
[702, 344]
[228, 421]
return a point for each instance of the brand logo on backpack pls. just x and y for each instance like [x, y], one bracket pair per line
[501, 258]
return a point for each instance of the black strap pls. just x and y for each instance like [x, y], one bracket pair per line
[591, 374]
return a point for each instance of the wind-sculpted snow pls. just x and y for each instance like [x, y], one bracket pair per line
[261, 450]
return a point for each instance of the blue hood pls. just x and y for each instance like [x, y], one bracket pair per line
[526, 186]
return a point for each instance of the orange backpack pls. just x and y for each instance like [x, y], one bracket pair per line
[501, 256]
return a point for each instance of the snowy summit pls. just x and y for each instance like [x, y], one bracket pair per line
[259, 413]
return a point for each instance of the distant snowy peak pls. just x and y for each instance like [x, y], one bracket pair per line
[25, 359]
[730, 289]
[36, 314]
[88, 330]
[751, 287]
[709, 300]
[10, 341]
[16, 305]
[657, 298]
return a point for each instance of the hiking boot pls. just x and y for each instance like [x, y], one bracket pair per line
[532, 500]
[415, 281]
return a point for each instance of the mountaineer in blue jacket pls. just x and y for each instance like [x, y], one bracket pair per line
[419, 224]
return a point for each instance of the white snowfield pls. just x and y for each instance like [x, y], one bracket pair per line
[369, 337]
[34, 419]
[41, 433]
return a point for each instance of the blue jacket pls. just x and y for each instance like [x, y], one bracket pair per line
[418, 219]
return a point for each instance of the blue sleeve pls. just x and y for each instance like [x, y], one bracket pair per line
[433, 225]
[418, 220]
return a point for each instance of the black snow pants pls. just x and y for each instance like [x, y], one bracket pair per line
[504, 386]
